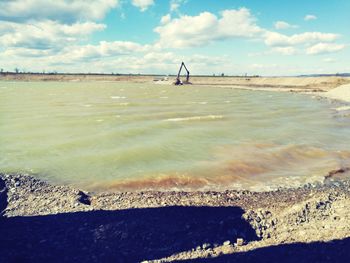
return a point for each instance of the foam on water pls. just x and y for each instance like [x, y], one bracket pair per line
[198, 138]
[342, 108]
[199, 102]
[196, 118]
[118, 97]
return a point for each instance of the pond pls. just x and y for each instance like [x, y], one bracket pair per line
[129, 136]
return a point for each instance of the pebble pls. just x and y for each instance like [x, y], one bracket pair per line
[239, 242]
[205, 245]
[227, 243]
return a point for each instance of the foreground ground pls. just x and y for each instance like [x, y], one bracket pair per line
[46, 223]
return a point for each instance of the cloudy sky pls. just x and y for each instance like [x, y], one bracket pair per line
[270, 37]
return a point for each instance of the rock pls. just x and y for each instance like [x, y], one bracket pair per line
[227, 243]
[83, 198]
[205, 245]
[239, 242]
[3, 196]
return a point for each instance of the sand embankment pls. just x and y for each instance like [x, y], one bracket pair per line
[75, 77]
[341, 93]
[288, 83]
[302, 83]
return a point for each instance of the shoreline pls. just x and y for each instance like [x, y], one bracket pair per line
[314, 212]
[322, 83]
[329, 87]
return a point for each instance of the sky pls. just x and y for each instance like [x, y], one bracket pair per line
[234, 37]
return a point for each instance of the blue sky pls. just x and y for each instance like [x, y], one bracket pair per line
[153, 36]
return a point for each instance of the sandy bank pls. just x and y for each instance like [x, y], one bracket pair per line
[75, 77]
[302, 83]
[45, 223]
[298, 83]
[341, 93]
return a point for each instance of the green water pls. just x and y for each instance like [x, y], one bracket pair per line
[122, 136]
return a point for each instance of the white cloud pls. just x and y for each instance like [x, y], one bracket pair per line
[165, 19]
[263, 66]
[329, 60]
[143, 4]
[42, 25]
[284, 25]
[58, 10]
[121, 57]
[169, 62]
[88, 58]
[103, 49]
[45, 34]
[285, 50]
[277, 39]
[190, 31]
[75, 54]
[51, 35]
[238, 23]
[205, 28]
[153, 62]
[208, 60]
[310, 17]
[310, 43]
[324, 48]
[175, 5]
[21, 52]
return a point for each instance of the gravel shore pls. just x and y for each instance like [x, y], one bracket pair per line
[49, 223]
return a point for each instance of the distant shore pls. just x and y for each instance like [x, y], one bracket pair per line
[315, 84]
[330, 87]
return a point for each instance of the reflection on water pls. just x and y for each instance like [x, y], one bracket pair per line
[120, 136]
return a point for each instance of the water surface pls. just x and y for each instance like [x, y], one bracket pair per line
[123, 136]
